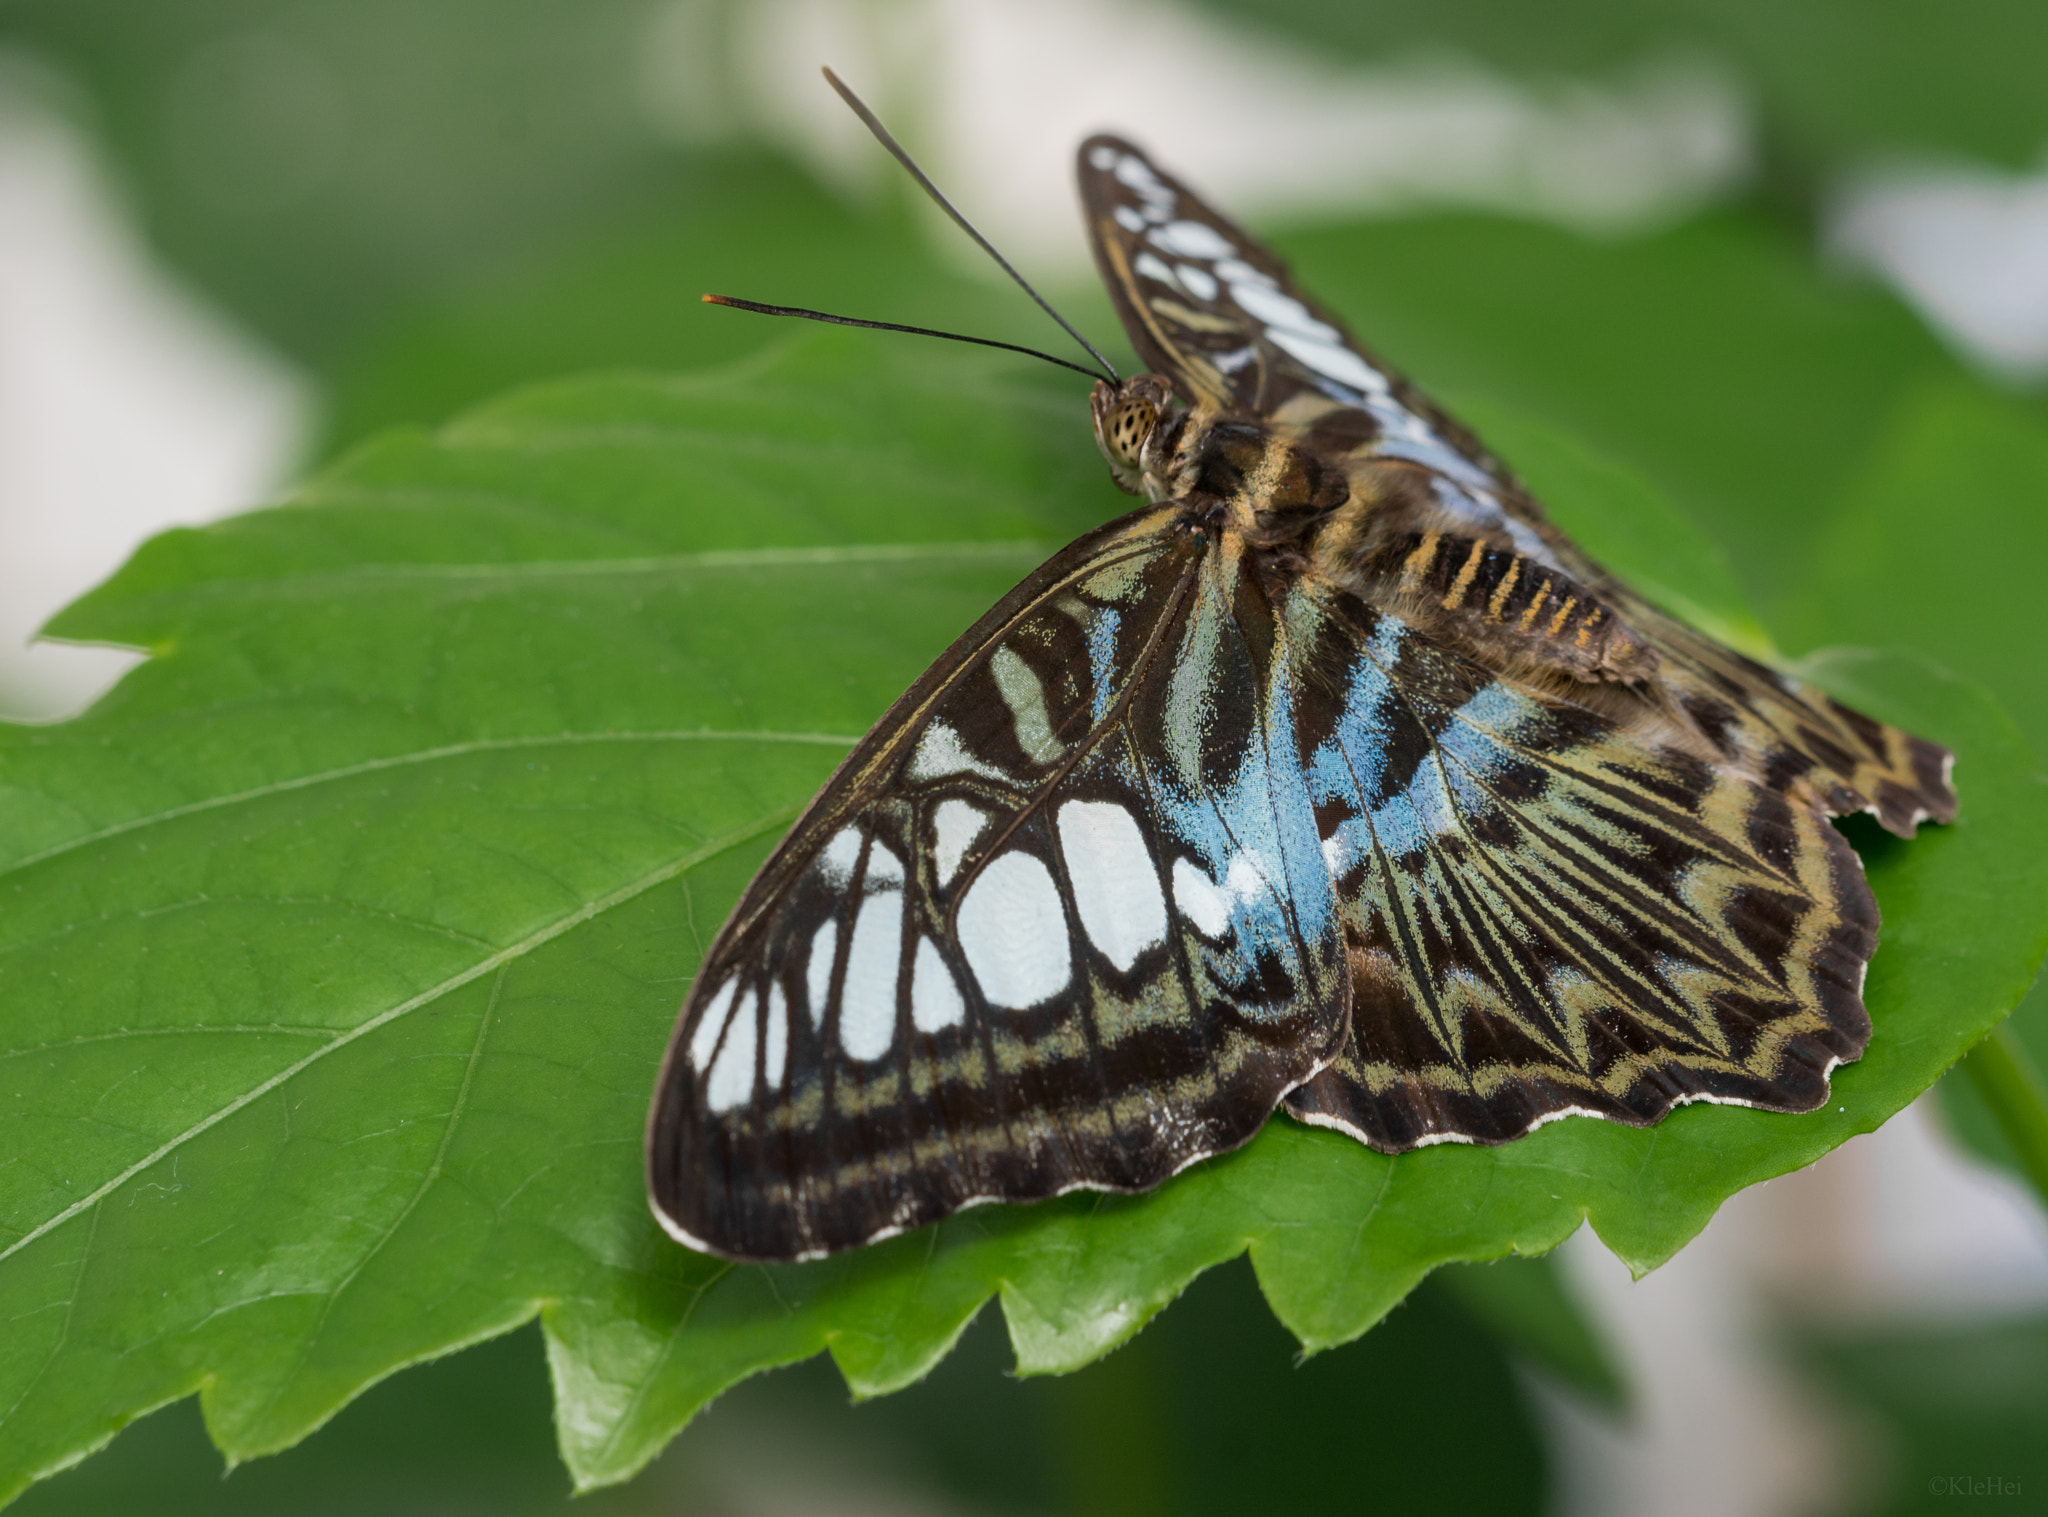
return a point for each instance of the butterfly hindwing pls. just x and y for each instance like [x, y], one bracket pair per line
[1547, 913]
[1793, 737]
[1060, 921]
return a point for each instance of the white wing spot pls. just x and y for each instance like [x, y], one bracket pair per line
[955, 825]
[934, 998]
[885, 870]
[1244, 879]
[1137, 174]
[1152, 266]
[838, 857]
[1197, 281]
[1277, 309]
[1191, 239]
[1128, 219]
[1014, 933]
[867, 1001]
[1024, 694]
[1235, 271]
[711, 1024]
[732, 1076]
[1341, 364]
[1116, 889]
[818, 972]
[1336, 854]
[1103, 158]
[939, 754]
[1200, 899]
[775, 1054]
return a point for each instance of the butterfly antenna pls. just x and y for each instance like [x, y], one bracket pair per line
[890, 326]
[868, 119]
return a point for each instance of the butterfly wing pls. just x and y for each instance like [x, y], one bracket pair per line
[1581, 848]
[1790, 736]
[1061, 920]
[1207, 305]
[1549, 913]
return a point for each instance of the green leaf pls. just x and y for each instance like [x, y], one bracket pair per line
[1936, 543]
[340, 942]
[1206, 1413]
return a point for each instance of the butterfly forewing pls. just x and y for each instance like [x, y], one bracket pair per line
[1207, 304]
[1060, 921]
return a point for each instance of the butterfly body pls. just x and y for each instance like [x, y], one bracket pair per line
[1334, 776]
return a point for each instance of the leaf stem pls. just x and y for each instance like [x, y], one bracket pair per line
[2012, 1087]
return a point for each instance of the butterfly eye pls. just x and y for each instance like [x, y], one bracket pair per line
[1128, 428]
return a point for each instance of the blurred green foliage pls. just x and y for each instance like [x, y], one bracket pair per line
[1833, 79]
[752, 226]
[311, 164]
[1943, 1411]
[1205, 1413]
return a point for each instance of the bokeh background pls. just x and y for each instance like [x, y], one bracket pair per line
[1789, 258]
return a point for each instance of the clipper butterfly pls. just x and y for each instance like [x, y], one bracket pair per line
[1333, 778]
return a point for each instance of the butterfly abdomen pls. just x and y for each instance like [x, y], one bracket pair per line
[1516, 601]
[1509, 609]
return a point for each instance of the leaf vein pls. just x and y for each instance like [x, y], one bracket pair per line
[340, 1287]
[533, 940]
[119, 1034]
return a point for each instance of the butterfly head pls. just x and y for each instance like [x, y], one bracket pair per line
[1136, 423]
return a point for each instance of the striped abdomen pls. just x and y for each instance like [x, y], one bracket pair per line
[1510, 600]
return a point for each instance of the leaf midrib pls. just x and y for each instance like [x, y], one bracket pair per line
[420, 756]
[712, 560]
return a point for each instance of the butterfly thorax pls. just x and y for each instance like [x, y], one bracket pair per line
[1370, 527]
[1232, 473]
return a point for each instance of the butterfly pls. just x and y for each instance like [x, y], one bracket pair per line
[1333, 778]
